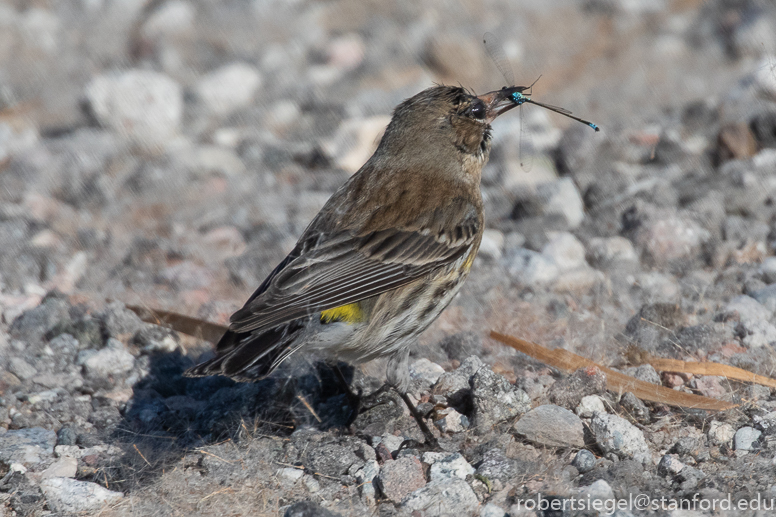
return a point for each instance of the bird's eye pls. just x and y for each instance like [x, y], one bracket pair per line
[478, 110]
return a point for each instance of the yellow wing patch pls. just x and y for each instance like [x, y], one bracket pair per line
[351, 314]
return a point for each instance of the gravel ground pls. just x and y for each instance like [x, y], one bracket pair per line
[167, 154]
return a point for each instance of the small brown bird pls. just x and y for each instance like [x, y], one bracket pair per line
[384, 256]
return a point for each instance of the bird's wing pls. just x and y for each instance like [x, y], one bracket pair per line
[330, 270]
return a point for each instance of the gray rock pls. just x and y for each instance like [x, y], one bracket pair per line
[745, 438]
[600, 490]
[66, 436]
[589, 405]
[154, 339]
[495, 465]
[401, 477]
[365, 475]
[21, 368]
[531, 267]
[450, 467]
[690, 477]
[145, 107]
[584, 461]
[720, 433]
[120, 321]
[455, 385]
[453, 496]
[616, 435]
[551, 425]
[565, 251]
[644, 372]
[27, 446]
[669, 465]
[308, 509]
[33, 324]
[492, 244]
[333, 459]
[495, 399]
[768, 269]
[669, 239]
[607, 252]
[766, 296]
[636, 407]
[70, 496]
[749, 310]
[112, 360]
[448, 420]
[561, 197]
[173, 18]
[491, 510]
[64, 467]
[425, 371]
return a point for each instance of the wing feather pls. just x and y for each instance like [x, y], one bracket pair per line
[330, 270]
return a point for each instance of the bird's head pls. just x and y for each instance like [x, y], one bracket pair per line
[444, 124]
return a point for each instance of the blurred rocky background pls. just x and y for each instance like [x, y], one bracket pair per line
[167, 154]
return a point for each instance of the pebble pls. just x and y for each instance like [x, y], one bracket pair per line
[495, 399]
[598, 490]
[496, 465]
[450, 467]
[710, 386]
[455, 385]
[109, 361]
[335, 459]
[768, 269]
[365, 476]
[399, 478]
[492, 244]
[21, 368]
[308, 509]
[720, 433]
[174, 17]
[668, 239]
[154, 339]
[610, 251]
[565, 250]
[425, 371]
[29, 447]
[228, 88]
[669, 465]
[64, 467]
[561, 197]
[531, 267]
[584, 461]
[552, 426]
[491, 510]
[449, 497]
[448, 420]
[766, 297]
[765, 79]
[144, 106]
[616, 435]
[67, 495]
[355, 141]
[750, 311]
[644, 372]
[589, 405]
[290, 473]
[745, 438]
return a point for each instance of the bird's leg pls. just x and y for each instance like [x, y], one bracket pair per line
[398, 376]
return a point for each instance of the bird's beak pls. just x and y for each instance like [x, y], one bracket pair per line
[499, 101]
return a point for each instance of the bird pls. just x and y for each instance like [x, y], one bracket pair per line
[384, 256]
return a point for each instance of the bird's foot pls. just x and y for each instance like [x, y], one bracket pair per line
[431, 440]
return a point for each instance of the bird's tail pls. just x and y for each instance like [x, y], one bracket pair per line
[251, 356]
